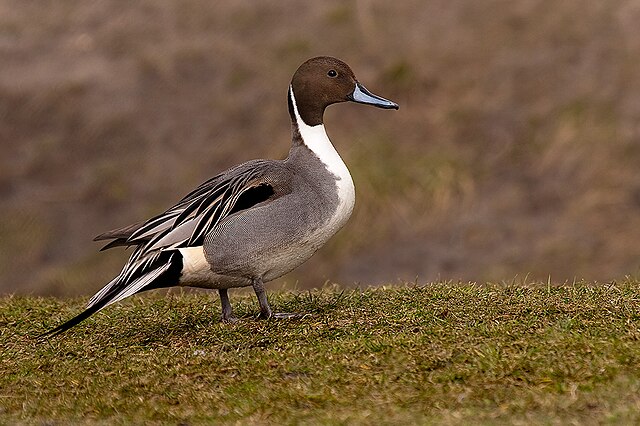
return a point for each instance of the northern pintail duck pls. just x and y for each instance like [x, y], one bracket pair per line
[254, 222]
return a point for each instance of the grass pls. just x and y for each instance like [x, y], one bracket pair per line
[442, 353]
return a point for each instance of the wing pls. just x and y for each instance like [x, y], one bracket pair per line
[188, 222]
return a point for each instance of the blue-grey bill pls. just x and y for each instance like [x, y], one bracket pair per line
[363, 96]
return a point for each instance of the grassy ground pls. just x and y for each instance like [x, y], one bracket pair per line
[441, 353]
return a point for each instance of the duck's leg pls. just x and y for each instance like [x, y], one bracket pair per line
[227, 311]
[261, 294]
[265, 309]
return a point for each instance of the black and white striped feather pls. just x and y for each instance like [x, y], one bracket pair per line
[203, 208]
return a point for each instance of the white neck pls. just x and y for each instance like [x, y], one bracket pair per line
[316, 139]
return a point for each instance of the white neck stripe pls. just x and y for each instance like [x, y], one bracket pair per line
[315, 138]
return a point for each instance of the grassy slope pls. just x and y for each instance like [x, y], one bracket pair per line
[438, 353]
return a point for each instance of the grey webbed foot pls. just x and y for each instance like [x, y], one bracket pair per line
[227, 311]
[265, 309]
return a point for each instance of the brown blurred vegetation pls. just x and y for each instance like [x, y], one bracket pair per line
[516, 149]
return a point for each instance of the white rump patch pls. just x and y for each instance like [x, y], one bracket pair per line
[195, 268]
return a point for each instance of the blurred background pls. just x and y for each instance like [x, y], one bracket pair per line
[516, 150]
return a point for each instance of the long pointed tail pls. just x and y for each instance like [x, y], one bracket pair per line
[159, 270]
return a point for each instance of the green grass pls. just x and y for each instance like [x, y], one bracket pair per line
[441, 353]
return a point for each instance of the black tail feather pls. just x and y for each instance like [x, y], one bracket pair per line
[168, 278]
[70, 323]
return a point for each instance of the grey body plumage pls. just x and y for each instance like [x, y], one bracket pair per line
[254, 222]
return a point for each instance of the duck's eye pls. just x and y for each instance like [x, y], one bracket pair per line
[332, 73]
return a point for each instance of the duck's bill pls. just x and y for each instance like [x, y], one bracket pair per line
[362, 96]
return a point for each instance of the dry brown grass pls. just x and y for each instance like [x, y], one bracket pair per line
[515, 150]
